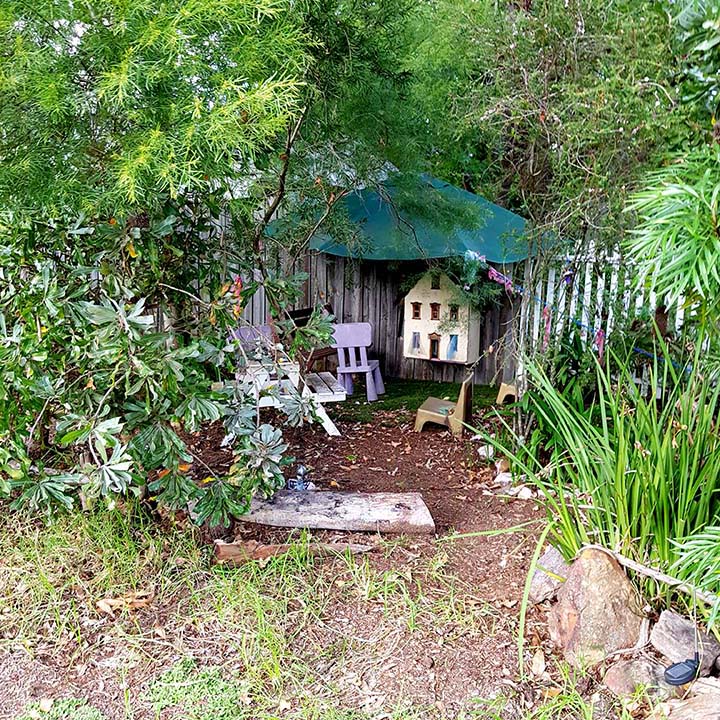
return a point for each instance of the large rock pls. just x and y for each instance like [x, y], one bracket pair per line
[625, 677]
[674, 637]
[550, 574]
[703, 703]
[597, 612]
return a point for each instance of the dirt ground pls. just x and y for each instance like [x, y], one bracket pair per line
[459, 490]
[452, 650]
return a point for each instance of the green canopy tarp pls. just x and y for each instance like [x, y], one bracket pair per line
[385, 226]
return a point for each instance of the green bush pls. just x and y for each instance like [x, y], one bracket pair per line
[102, 373]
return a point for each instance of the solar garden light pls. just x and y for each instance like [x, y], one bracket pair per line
[681, 673]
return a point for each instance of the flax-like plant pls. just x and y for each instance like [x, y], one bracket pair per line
[698, 562]
[634, 472]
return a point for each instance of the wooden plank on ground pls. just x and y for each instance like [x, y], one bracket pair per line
[352, 511]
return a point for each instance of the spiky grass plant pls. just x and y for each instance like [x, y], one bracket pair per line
[633, 472]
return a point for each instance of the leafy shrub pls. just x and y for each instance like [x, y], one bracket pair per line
[102, 369]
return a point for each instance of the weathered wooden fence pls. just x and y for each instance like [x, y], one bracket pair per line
[593, 291]
[372, 292]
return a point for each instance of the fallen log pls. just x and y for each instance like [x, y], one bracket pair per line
[344, 510]
[243, 551]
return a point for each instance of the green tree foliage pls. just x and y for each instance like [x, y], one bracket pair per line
[145, 147]
[125, 103]
[676, 246]
[678, 237]
[677, 240]
[551, 108]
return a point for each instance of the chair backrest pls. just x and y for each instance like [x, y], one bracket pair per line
[250, 336]
[352, 341]
[463, 407]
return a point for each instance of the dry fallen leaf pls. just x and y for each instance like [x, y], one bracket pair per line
[129, 601]
[538, 663]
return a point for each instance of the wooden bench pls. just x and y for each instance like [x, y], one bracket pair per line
[325, 387]
[321, 387]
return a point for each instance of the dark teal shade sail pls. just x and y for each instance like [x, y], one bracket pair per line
[384, 226]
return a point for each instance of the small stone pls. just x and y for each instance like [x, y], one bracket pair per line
[549, 575]
[46, 704]
[538, 663]
[597, 612]
[674, 637]
[625, 677]
[486, 452]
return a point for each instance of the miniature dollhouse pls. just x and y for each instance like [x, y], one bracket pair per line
[437, 326]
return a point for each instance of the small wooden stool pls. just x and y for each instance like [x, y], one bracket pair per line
[507, 393]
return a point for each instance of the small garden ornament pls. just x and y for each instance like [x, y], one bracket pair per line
[302, 482]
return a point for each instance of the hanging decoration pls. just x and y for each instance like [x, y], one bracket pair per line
[547, 317]
[600, 343]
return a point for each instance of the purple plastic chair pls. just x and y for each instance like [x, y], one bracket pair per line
[251, 336]
[351, 340]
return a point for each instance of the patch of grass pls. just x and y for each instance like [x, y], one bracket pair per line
[211, 692]
[406, 395]
[201, 693]
[565, 701]
[257, 612]
[65, 709]
[52, 574]
[428, 598]
[266, 641]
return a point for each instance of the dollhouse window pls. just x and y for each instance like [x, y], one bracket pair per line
[434, 346]
[435, 282]
[416, 310]
[434, 311]
[452, 347]
[416, 341]
[454, 310]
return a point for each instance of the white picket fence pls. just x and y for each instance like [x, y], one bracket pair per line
[593, 291]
